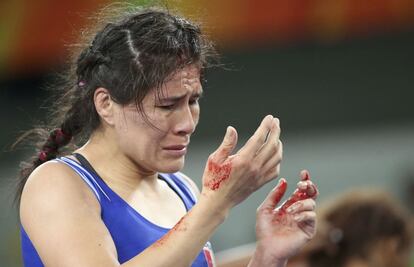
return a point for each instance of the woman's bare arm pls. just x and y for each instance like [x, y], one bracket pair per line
[61, 215]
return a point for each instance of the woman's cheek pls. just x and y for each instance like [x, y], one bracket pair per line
[196, 115]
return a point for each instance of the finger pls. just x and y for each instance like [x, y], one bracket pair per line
[302, 185]
[256, 141]
[274, 197]
[272, 167]
[312, 190]
[301, 206]
[271, 146]
[308, 187]
[304, 175]
[274, 158]
[306, 216]
[227, 146]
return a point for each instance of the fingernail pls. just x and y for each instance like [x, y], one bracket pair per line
[282, 181]
[229, 132]
[304, 175]
[269, 117]
[301, 185]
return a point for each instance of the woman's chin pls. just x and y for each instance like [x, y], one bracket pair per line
[172, 166]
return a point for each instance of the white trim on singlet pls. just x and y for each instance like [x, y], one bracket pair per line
[179, 175]
[77, 166]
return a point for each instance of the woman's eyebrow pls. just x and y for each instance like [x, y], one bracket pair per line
[198, 94]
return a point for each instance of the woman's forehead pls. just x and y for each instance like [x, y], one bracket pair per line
[187, 72]
[184, 79]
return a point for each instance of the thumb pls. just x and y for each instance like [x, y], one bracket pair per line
[228, 144]
[274, 197]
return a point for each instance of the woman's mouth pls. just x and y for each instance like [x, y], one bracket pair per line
[176, 150]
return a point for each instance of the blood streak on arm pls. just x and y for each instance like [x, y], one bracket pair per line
[179, 227]
[219, 174]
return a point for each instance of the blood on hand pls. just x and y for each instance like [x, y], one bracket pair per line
[299, 194]
[218, 173]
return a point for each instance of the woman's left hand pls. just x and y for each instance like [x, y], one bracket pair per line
[282, 231]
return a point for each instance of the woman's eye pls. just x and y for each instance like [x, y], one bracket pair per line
[167, 107]
[193, 101]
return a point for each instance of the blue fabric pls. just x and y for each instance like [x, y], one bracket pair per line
[130, 231]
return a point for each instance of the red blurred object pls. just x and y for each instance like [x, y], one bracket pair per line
[36, 32]
[44, 29]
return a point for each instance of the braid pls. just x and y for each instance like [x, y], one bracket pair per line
[89, 59]
[93, 57]
[57, 138]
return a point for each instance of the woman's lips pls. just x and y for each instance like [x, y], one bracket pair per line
[175, 147]
[176, 150]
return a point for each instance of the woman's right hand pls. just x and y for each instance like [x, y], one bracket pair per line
[229, 179]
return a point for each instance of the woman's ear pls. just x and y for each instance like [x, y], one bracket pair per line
[104, 105]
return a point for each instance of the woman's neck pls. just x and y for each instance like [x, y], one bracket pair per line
[114, 167]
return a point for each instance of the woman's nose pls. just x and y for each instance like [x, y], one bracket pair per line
[186, 121]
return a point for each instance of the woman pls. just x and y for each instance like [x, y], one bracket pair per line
[132, 105]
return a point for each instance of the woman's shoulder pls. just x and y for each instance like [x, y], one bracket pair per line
[54, 186]
[52, 176]
[58, 208]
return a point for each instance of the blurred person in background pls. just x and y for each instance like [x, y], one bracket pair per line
[104, 187]
[362, 228]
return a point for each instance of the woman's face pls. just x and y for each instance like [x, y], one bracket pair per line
[174, 112]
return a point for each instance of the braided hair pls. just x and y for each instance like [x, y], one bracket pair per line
[129, 55]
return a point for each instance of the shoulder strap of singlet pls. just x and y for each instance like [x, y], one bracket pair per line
[183, 186]
[187, 185]
[86, 176]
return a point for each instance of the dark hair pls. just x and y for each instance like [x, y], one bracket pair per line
[130, 55]
[355, 224]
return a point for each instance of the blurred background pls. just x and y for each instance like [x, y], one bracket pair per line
[339, 74]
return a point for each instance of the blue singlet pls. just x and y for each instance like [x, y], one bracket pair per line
[130, 231]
